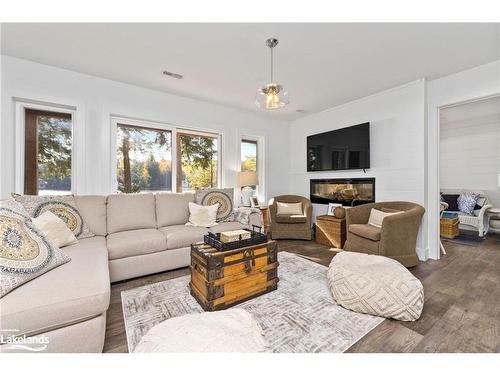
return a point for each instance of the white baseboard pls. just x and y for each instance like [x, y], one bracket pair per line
[423, 254]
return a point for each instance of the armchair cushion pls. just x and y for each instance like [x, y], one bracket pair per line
[289, 208]
[291, 219]
[366, 231]
[377, 216]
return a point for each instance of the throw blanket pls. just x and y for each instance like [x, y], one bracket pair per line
[242, 214]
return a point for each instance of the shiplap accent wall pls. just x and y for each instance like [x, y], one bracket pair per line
[397, 149]
[470, 155]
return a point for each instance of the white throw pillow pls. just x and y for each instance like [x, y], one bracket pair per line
[289, 208]
[54, 229]
[377, 217]
[202, 216]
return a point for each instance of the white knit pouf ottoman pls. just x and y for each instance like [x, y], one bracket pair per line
[375, 285]
[233, 330]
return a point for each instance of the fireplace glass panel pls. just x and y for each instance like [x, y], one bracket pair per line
[348, 192]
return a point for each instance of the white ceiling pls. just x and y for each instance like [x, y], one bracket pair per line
[321, 65]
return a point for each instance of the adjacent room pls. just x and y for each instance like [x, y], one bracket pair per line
[276, 187]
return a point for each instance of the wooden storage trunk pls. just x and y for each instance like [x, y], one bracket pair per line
[221, 279]
[449, 227]
[330, 231]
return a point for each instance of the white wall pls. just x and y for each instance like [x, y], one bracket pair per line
[469, 152]
[96, 99]
[397, 150]
[479, 82]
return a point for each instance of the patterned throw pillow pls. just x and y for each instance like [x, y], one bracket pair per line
[467, 202]
[63, 206]
[25, 253]
[210, 196]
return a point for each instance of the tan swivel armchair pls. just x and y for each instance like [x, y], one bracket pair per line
[396, 239]
[297, 227]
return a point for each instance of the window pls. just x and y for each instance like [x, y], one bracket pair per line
[248, 156]
[197, 161]
[48, 152]
[144, 159]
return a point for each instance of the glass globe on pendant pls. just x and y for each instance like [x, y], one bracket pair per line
[272, 95]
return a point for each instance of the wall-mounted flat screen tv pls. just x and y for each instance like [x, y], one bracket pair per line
[341, 149]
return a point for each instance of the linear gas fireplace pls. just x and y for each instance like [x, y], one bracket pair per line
[346, 191]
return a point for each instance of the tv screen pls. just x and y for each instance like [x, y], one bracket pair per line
[341, 149]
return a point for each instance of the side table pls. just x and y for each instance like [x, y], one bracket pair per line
[330, 231]
[265, 218]
[494, 217]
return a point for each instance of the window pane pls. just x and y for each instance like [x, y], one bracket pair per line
[248, 156]
[144, 159]
[48, 149]
[197, 162]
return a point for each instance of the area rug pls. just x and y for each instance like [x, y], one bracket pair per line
[299, 317]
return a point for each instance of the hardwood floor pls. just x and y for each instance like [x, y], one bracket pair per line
[461, 311]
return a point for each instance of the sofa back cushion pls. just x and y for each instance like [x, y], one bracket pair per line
[130, 211]
[93, 210]
[172, 208]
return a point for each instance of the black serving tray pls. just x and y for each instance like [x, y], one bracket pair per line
[256, 237]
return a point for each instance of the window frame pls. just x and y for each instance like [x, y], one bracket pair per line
[77, 146]
[218, 136]
[31, 136]
[151, 129]
[260, 190]
[153, 125]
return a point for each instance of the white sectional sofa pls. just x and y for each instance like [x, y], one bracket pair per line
[136, 235]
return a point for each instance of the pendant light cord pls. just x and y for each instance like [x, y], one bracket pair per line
[272, 81]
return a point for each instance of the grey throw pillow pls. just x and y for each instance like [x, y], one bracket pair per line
[25, 253]
[211, 196]
[467, 202]
[63, 206]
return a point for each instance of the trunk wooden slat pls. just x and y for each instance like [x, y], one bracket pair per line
[221, 279]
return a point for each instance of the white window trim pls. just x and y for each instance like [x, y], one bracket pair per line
[77, 140]
[116, 119]
[261, 168]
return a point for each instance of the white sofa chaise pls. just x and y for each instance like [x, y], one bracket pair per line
[136, 235]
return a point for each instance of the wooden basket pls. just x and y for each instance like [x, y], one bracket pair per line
[449, 227]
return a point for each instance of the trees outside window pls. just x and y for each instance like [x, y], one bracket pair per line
[248, 156]
[144, 159]
[196, 161]
[48, 152]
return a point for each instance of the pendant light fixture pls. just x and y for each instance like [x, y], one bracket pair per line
[272, 95]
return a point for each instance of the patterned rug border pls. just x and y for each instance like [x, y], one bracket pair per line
[281, 252]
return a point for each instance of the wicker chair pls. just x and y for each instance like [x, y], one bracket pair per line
[295, 227]
[396, 239]
[479, 221]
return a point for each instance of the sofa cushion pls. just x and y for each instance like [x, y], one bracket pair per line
[211, 196]
[291, 219]
[93, 210]
[130, 211]
[135, 242]
[63, 206]
[366, 231]
[172, 208]
[183, 235]
[25, 252]
[73, 292]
